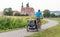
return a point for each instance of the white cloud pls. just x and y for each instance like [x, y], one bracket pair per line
[36, 4]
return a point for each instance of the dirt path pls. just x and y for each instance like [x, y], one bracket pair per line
[23, 32]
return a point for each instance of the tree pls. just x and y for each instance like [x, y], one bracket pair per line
[59, 15]
[8, 11]
[46, 13]
[17, 14]
[52, 15]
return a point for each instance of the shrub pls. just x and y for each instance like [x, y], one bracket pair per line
[17, 14]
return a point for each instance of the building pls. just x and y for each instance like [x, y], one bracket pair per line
[1, 13]
[27, 10]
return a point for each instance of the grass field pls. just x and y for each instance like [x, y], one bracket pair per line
[51, 32]
[25, 18]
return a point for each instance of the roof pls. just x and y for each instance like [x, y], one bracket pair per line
[1, 12]
[27, 8]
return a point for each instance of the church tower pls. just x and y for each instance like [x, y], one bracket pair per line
[22, 5]
[27, 5]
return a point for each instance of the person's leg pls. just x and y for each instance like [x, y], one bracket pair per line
[40, 24]
[37, 22]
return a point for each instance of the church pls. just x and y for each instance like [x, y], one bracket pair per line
[27, 10]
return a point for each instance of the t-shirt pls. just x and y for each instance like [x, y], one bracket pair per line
[38, 14]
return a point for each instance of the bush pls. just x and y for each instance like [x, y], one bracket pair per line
[17, 14]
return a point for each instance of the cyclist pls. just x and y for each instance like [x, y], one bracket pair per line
[38, 16]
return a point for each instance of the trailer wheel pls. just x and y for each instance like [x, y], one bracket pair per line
[27, 28]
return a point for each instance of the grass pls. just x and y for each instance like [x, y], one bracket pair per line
[51, 32]
[23, 18]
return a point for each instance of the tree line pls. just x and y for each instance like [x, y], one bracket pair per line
[47, 13]
[9, 12]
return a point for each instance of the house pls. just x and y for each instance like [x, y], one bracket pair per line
[1, 13]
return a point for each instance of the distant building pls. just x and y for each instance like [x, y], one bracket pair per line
[27, 10]
[1, 13]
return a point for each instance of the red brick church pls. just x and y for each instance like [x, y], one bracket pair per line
[27, 10]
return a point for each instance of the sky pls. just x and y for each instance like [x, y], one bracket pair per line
[52, 5]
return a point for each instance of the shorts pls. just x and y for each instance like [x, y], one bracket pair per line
[38, 19]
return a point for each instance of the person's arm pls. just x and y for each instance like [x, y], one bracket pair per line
[42, 16]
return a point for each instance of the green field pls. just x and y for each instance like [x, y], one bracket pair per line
[51, 32]
[8, 23]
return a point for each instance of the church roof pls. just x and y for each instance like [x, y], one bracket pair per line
[27, 8]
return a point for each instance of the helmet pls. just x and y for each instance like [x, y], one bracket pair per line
[39, 10]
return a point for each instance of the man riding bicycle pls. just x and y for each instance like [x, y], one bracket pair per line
[38, 16]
